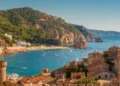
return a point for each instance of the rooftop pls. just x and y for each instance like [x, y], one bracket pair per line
[38, 78]
[96, 64]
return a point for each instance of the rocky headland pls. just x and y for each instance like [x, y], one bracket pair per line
[12, 50]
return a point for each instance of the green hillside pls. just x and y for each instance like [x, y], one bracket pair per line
[36, 27]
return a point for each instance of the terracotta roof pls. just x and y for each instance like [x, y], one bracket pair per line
[67, 67]
[96, 64]
[59, 71]
[36, 79]
[78, 73]
[67, 80]
[61, 80]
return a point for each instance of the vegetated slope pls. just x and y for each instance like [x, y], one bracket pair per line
[36, 27]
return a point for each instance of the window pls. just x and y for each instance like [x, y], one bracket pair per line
[99, 77]
[105, 76]
[111, 76]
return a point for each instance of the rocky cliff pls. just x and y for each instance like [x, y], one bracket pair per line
[12, 50]
[99, 39]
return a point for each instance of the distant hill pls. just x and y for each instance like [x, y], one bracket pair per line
[98, 33]
[84, 30]
[37, 27]
[87, 34]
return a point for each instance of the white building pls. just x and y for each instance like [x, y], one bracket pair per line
[9, 36]
[22, 43]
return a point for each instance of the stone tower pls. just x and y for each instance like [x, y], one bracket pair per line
[3, 65]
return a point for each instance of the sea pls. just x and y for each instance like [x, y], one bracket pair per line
[32, 62]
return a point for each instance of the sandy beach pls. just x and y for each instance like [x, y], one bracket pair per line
[18, 49]
[46, 47]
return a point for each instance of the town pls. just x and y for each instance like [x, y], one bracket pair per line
[99, 69]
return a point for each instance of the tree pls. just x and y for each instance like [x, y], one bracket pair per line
[106, 55]
[86, 81]
[8, 41]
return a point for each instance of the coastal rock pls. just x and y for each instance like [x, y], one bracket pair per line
[13, 50]
[81, 45]
[2, 53]
[98, 39]
[69, 38]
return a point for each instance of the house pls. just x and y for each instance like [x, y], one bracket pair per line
[112, 52]
[73, 63]
[60, 73]
[77, 75]
[39, 79]
[22, 43]
[46, 72]
[95, 55]
[97, 67]
[105, 75]
[117, 62]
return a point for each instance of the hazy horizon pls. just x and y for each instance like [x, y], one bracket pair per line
[93, 14]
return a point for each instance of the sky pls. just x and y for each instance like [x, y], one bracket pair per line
[93, 14]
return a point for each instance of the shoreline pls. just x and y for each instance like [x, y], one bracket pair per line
[18, 49]
[46, 47]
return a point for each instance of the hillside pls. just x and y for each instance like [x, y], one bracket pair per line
[36, 27]
[88, 35]
[98, 33]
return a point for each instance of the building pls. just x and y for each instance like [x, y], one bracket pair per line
[117, 61]
[105, 75]
[38, 79]
[22, 43]
[3, 65]
[77, 75]
[95, 55]
[113, 52]
[46, 72]
[60, 73]
[97, 67]
[73, 63]
[9, 36]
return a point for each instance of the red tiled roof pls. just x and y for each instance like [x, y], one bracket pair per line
[36, 79]
[96, 64]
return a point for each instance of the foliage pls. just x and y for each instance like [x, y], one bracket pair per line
[86, 81]
[106, 55]
[75, 68]
[110, 62]
[85, 60]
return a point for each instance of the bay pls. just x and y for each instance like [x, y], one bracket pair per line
[31, 63]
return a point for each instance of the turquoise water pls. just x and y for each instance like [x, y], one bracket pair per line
[31, 62]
